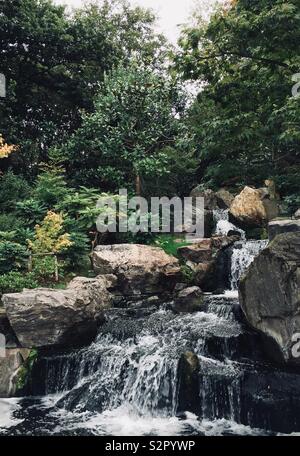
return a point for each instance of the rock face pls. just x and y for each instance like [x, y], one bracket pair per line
[47, 317]
[297, 214]
[224, 198]
[206, 259]
[6, 330]
[247, 208]
[210, 200]
[283, 226]
[189, 300]
[221, 199]
[188, 383]
[141, 269]
[9, 368]
[270, 297]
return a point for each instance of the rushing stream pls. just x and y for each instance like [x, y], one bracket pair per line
[126, 382]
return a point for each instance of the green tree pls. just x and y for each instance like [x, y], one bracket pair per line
[53, 62]
[245, 118]
[132, 136]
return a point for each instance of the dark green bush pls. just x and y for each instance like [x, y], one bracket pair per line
[13, 188]
[13, 256]
[14, 282]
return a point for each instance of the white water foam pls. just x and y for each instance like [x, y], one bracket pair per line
[7, 409]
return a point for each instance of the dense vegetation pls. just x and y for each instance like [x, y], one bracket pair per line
[95, 102]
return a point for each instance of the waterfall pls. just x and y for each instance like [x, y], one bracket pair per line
[223, 225]
[243, 254]
[128, 381]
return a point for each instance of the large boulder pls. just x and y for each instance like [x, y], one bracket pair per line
[283, 226]
[47, 317]
[247, 208]
[207, 259]
[10, 367]
[140, 269]
[210, 200]
[270, 296]
[224, 198]
[253, 208]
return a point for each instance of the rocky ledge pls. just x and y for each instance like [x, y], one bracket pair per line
[270, 297]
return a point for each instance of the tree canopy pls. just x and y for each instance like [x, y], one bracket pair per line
[245, 117]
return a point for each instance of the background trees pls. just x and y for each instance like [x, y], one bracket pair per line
[53, 63]
[95, 102]
[133, 136]
[245, 118]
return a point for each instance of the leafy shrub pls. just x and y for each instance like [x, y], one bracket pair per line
[44, 268]
[291, 204]
[169, 243]
[10, 222]
[13, 256]
[51, 188]
[13, 188]
[77, 252]
[31, 211]
[13, 282]
[25, 370]
[188, 274]
[49, 236]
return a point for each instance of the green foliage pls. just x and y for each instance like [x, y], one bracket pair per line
[76, 255]
[169, 243]
[44, 269]
[44, 100]
[13, 188]
[9, 221]
[31, 211]
[14, 282]
[13, 256]
[51, 188]
[188, 274]
[26, 368]
[292, 204]
[131, 132]
[245, 119]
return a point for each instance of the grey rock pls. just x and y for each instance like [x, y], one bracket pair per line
[10, 366]
[210, 200]
[224, 198]
[140, 269]
[297, 214]
[207, 259]
[283, 226]
[188, 383]
[189, 300]
[46, 317]
[270, 296]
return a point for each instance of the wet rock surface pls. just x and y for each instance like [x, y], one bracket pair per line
[270, 296]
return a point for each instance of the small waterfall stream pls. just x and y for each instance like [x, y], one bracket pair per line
[243, 252]
[126, 382]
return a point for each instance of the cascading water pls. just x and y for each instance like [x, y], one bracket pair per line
[243, 252]
[223, 225]
[128, 382]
